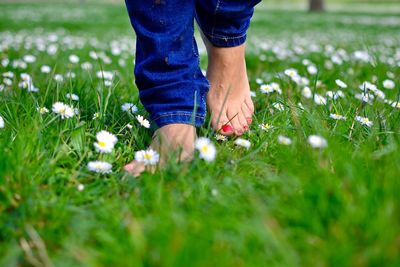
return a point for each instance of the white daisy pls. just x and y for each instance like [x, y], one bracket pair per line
[306, 92]
[389, 84]
[312, 69]
[129, 107]
[73, 97]
[243, 143]
[45, 69]
[206, 148]
[99, 167]
[284, 140]
[364, 121]
[96, 116]
[319, 99]
[1, 122]
[145, 123]
[278, 106]
[337, 116]
[148, 157]
[220, 137]
[73, 59]
[29, 58]
[105, 142]
[317, 141]
[86, 66]
[265, 126]
[42, 110]
[341, 84]
[64, 110]
[80, 187]
[266, 89]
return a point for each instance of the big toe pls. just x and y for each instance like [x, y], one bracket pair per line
[222, 125]
[135, 168]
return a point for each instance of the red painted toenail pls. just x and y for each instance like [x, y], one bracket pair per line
[249, 120]
[227, 129]
[245, 127]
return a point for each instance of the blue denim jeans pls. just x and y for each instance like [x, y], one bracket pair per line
[171, 85]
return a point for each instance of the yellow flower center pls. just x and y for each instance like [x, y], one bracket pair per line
[102, 144]
[204, 149]
[147, 156]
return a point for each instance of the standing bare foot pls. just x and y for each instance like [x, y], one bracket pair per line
[177, 139]
[228, 79]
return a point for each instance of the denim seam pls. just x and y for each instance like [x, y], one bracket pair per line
[215, 15]
[221, 37]
[179, 114]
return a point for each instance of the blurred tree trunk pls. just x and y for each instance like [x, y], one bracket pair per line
[317, 5]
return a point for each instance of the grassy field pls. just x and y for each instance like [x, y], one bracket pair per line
[274, 204]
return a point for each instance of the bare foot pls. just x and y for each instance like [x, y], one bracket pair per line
[228, 79]
[172, 139]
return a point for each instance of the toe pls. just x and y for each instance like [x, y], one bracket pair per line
[222, 125]
[135, 168]
[249, 104]
[247, 113]
[236, 123]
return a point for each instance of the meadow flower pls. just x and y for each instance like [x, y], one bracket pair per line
[99, 167]
[145, 123]
[312, 69]
[106, 75]
[365, 97]
[265, 126]
[1, 122]
[42, 110]
[220, 137]
[73, 97]
[278, 106]
[80, 187]
[96, 116]
[291, 73]
[129, 107]
[29, 58]
[8, 74]
[337, 116]
[341, 84]
[45, 69]
[105, 142]
[58, 78]
[364, 121]
[64, 110]
[86, 66]
[319, 99]
[148, 157]
[266, 89]
[243, 143]
[306, 92]
[73, 59]
[259, 81]
[284, 140]
[395, 104]
[389, 84]
[206, 148]
[334, 95]
[317, 141]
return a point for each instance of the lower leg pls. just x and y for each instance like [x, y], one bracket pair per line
[224, 25]
[167, 73]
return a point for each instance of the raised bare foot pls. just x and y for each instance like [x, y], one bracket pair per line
[228, 100]
[173, 139]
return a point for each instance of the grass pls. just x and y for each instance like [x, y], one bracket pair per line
[271, 205]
